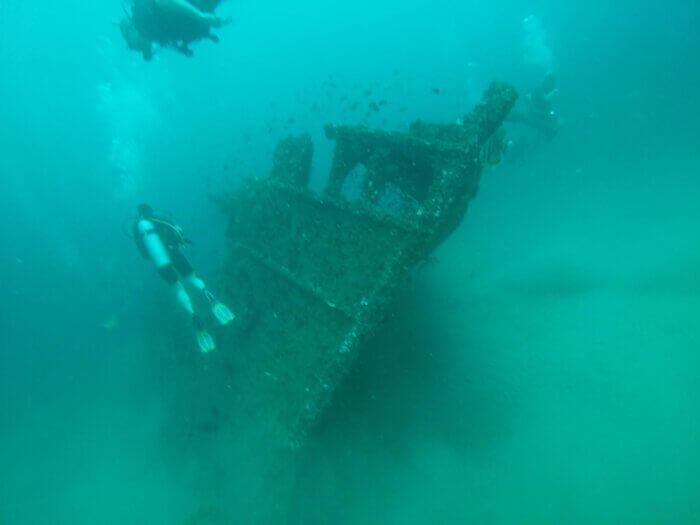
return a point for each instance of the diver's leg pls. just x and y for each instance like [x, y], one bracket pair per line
[196, 282]
[184, 268]
[222, 313]
[205, 341]
[181, 47]
[186, 9]
[169, 275]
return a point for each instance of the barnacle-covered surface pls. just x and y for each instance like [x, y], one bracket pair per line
[311, 275]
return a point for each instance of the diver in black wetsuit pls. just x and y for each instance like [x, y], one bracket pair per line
[160, 241]
[169, 23]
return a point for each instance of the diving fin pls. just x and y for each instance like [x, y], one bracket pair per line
[222, 313]
[219, 309]
[205, 341]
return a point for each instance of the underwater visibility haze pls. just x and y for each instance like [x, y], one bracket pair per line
[541, 363]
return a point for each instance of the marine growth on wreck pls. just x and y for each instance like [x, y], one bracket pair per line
[311, 275]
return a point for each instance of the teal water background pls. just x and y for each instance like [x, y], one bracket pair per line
[543, 368]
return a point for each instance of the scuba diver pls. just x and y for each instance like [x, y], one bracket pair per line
[169, 23]
[539, 113]
[159, 241]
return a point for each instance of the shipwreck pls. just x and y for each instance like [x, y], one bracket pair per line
[311, 275]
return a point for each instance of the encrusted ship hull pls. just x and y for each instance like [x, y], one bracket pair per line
[311, 275]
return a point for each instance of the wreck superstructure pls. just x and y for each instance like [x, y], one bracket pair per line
[312, 274]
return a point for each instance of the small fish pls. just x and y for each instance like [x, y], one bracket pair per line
[436, 91]
[373, 106]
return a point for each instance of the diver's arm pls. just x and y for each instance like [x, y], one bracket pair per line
[184, 8]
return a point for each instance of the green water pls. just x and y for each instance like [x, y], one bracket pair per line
[542, 368]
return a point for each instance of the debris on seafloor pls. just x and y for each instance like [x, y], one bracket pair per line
[311, 275]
